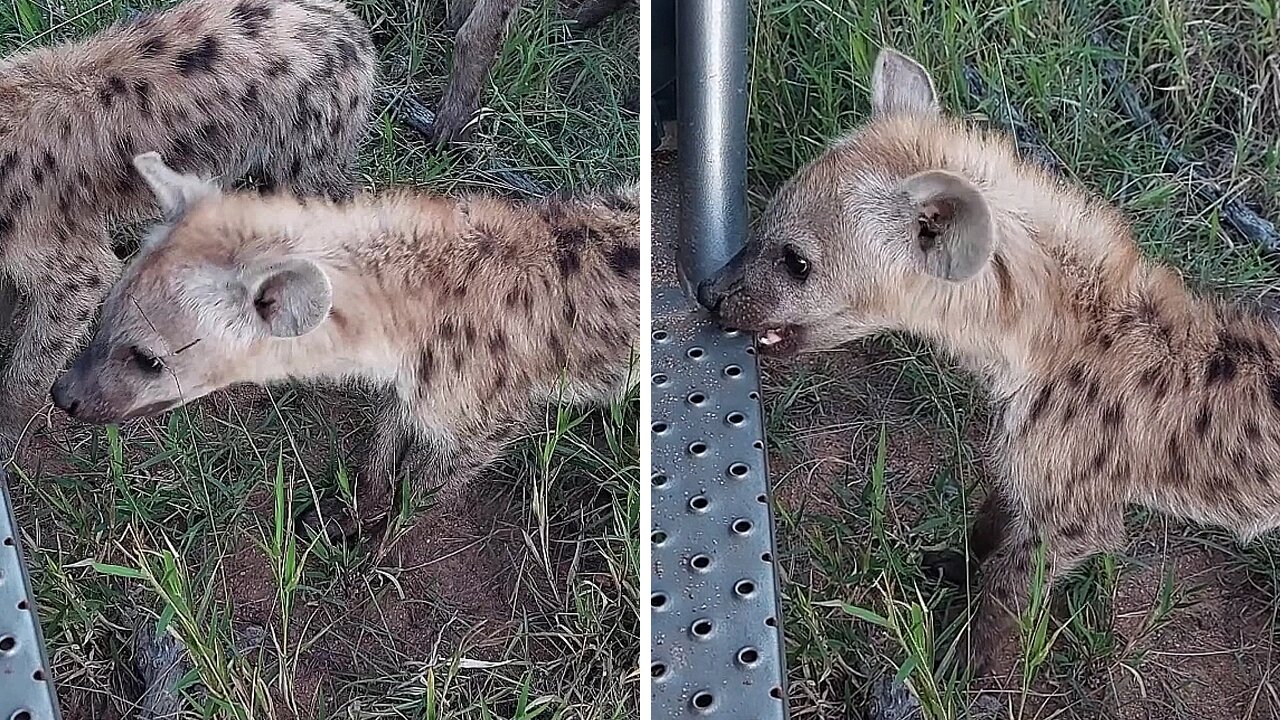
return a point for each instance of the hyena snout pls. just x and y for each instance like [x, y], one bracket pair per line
[63, 397]
[725, 283]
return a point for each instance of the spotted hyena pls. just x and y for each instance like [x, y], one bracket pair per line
[1115, 384]
[482, 27]
[472, 312]
[269, 87]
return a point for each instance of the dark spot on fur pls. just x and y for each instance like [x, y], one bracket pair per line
[570, 312]
[426, 366]
[201, 58]
[468, 333]
[1221, 369]
[1073, 530]
[295, 169]
[1099, 460]
[1273, 391]
[37, 175]
[6, 224]
[278, 67]
[1203, 419]
[459, 359]
[153, 46]
[252, 17]
[1069, 411]
[1113, 415]
[624, 261]
[348, 53]
[497, 344]
[1039, 404]
[569, 245]
[447, 329]
[1091, 392]
[1148, 377]
[1251, 431]
[1075, 376]
[1177, 463]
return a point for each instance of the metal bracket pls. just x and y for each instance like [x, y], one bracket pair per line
[26, 690]
[717, 642]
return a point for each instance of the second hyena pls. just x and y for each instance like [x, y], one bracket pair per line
[473, 312]
[275, 88]
[1114, 383]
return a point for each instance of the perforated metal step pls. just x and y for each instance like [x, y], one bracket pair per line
[26, 692]
[717, 639]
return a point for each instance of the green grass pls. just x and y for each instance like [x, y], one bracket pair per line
[1179, 625]
[528, 609]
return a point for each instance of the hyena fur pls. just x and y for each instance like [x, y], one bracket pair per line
[481, 28]
[1114, 384]
[274, 88]
[476, 313]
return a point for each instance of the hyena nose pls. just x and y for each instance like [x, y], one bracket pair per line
[708, 296]
[63, 401]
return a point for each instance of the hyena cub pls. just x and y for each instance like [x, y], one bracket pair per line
[474, 311]
[1115, 384]
[481, 27]
[271, 87]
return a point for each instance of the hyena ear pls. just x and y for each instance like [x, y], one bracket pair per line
[174, 191]
[291, 297]
[951, 228]
[901, 85]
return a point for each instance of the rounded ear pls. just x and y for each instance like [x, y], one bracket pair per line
[952, 228]
[174, 191]
[291, 297]
[901, 85]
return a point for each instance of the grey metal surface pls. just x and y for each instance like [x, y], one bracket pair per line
[717, 639]
[712, 44]
[26, 692]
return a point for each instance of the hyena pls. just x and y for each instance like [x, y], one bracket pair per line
[474, 312]
[275, 88]
[1115, 384]
[481, 27]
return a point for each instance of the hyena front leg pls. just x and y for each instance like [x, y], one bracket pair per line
[476, 49]
[1068, 539]
[55, 301]
[458, 12]
[985, 535]
[593, 12]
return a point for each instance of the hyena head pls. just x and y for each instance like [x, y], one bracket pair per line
[195, 312]
[853, 239]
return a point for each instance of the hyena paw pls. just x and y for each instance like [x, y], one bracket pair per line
[450, 127]
[948, 566]
[333, 519]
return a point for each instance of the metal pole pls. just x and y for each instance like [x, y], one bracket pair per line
[26, 690]
[712, 46]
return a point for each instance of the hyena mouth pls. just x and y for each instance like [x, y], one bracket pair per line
[782, 340]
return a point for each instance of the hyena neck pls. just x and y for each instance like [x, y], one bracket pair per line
[1066, 282]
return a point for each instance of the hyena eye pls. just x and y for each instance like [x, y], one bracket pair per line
[797, 266]
[148, 363]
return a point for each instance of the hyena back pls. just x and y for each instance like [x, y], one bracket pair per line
[472, 312]
[274, 88]
[1114, 383]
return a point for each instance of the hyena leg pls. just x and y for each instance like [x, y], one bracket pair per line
[1068, 539]
[375, 480]
[458, 12]
[55, 303]
[444, 463]
[593, 12]
[985, 534]
[476, 49]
